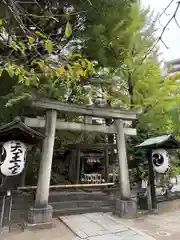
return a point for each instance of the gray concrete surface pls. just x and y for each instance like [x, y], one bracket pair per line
[102, 226]
[164, 226]
[58, 232]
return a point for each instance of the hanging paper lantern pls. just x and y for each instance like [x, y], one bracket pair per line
[160, 160]
[13, 157]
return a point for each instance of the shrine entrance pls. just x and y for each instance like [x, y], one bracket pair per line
[87, 169]
[42, 212]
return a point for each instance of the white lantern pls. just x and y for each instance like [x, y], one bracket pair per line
[160, 160]
[13, 158]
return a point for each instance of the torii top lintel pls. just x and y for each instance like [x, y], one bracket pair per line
[87, 110]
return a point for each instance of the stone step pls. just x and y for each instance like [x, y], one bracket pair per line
[25, 205]
[66, 196]
[81, 203]
[19, 205]
[19, 215]
[60, 204]
[73, 202]
[21, 200]
[19, 197]
[18, 211]
[63, 196]
[80, 210]
[66, 204]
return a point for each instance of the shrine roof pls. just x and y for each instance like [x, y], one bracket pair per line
[165, 141]
[17, 130]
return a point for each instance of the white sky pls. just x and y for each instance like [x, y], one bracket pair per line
[172, 35]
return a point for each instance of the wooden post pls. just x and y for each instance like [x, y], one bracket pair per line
[42, 192]
[78, 164]
[71, 166]
[106, 166]
[122, 158]
[23, 176]
[152, 180]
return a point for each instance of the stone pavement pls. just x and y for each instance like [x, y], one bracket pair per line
[164, 226]
[102, 226]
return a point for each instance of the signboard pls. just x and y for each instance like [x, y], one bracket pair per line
[13, 157]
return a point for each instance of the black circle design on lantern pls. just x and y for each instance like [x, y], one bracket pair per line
[3, 155]
[158, 159]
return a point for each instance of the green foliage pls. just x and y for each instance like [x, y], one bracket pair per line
[46, 78]
[108, 39]
[49, 46]
[68, 30]
[137, 155]
[33, 157]
[137, 175]
[105, 36]
[75, 20]
[138, 83]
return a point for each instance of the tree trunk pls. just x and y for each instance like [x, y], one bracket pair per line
[130, 89]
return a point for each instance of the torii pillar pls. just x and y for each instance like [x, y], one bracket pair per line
[126, 206]
[41, 213]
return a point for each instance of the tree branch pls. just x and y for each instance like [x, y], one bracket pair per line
[173, 17]
[160, 38]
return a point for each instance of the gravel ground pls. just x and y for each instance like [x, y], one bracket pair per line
[59, 231]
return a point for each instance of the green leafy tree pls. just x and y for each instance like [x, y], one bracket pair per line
[56, 48]
[105, 37]
[31, 34]
[138, 82]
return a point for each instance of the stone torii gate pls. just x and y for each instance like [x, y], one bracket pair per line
[41, 213]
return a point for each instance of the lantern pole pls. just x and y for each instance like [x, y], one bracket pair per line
[152, 181]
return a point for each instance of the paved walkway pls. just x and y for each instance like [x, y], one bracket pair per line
[164, 226]
[102, 226]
